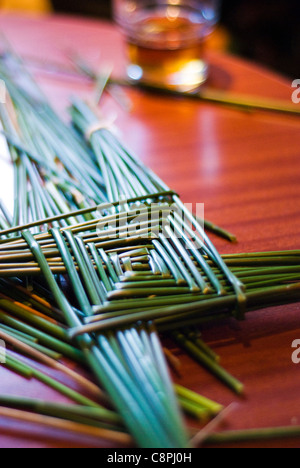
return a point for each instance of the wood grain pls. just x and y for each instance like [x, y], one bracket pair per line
[244, 166]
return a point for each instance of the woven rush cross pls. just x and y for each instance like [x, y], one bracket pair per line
[104, 272]
[122, 257]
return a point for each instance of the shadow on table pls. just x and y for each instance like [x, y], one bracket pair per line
[219, 78]
[260, 324]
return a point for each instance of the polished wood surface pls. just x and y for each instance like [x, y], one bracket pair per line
[244, 166]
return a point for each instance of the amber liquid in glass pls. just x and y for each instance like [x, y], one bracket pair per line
[167, 47]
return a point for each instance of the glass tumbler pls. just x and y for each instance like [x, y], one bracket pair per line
[166, 39]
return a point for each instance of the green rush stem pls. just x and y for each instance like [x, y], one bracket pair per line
[273, 281]
[44, 338]
[266, 434]
[150, 384]
[83, 268]
[5, 212]
[42, 349]
[50, 382]
[146, 292]
[64, 411]
[210, 364]
[180, 266]
[217, 97]
[18, 334]
[146, 284]
[129, 318]
[72, 272]
[38, 303]
[187, 260]
[39, 322]
[257, 299]
[126, 405]
[169, 262]
[281, 253]
[236, 284]
[122, 386]
[53, 363]
[165, 272]
[61, 300]
[197, 255]
[18, 367]
[48, 352]
[98, 290]
[211, 406]
[219, 231]
[264, 271]
[193, 336]
[150, 344]
[150, 338]
[264, 261]
[84, 211]
[100, 268]
[191, 409]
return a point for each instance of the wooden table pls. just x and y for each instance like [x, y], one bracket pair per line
[244, 166]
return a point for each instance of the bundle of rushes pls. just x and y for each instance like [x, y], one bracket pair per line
[98, 255]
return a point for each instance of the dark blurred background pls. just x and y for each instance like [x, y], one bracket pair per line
[263, 30]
